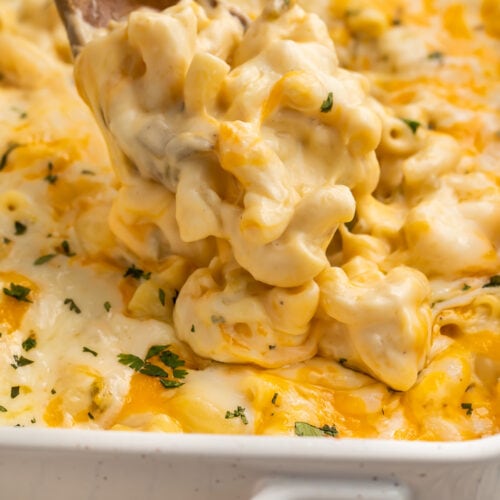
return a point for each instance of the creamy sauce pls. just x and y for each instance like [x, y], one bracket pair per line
[302, 212]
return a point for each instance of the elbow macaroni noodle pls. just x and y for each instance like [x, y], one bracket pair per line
[302, 214]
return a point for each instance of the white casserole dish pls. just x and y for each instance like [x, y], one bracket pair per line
[60, 464]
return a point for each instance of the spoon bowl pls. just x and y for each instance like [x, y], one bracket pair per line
[82, 17]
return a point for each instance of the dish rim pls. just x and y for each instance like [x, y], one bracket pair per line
[129, 443]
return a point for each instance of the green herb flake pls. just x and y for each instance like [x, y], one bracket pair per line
[90, 416]
[327, 104]
[217, 318]
[275, 398]
[7, 240]
[154, 350]
[65, 249]
[33, 420]
[22, 114]
[342, 361]
[161, 296]
[3, 409]
[5, 157]
[136, 273]
[90, 351]
[107, 306]
[52, 391]
[29, 343]
[19, 228]
[238, 413]
[153, 371]
[193, 329]
[87, 172]
[494, 281]
[436, 55]
[131, 361]
[271, 347]
[308, 430]
[50, 177]
[465, 287]
[468, 407]
[172, 360]
[168, 358]
[44, 259]
[72, 306]
[20, 361]
[170, 384]
[414, 125]
[18, 292]
[179, 373]
[14, 392]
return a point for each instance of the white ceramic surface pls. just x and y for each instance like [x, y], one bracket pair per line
[39, 464]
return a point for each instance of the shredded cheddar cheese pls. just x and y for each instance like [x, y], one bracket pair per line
[287, 225]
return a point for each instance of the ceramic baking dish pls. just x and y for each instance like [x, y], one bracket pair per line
[94, 465]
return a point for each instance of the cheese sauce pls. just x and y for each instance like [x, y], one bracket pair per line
[295, 230]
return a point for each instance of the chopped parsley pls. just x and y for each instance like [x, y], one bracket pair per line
[468, 407]
[308, 430]
[50, 177]
[155, 350]
[90, 416]
[436, 55]
[6, 240]
[414, 125]
[65, 249]
[33, 420]
[193, 329]
[494, 281]
[29, 343]
[170, 384]
[14, 392]
[18, 292]
[90, 351]
[72, 306]
[217, 318]
[19, 228]
[52, 391]
[22, 114]
[275, 398]
[107, 306]
[238, 413]
[153, 370]
[168, 358]
[20, 361]
[3, 409]
[161, 296]
[5, 157]
[87, 172]
[271, 347]
[342, 361]
[172, 360]
[327, 104]
[136, 273]
[465, 287]
[44, 259]
[132, 361]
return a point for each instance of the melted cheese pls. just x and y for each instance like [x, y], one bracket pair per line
[302, 211]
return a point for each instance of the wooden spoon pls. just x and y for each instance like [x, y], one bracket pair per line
[80, 16]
